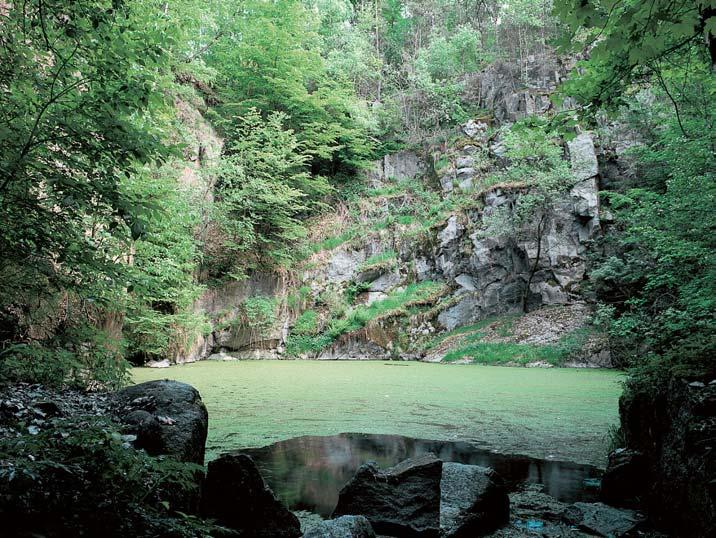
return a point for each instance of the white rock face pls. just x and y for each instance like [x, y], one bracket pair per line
[583, 157]
[451, 232]
[344, 265]
[474, 128]
[396, 166]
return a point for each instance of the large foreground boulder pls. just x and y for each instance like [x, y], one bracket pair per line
[402, 501]
[674, 426]
[473, 501]
[236, 496]
[342, 527]
[167, 417]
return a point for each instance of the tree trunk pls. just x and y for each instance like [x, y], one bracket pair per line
[535, 265]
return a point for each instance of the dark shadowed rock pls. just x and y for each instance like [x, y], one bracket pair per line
[534, 513]
[531, 503]
[674, 426]
[402, 501]
[342, 527]
[473, 501]
[236, 496]
[167, 417]
[602, 520]
[625, 479]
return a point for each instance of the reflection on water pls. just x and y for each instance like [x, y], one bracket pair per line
[308, 472]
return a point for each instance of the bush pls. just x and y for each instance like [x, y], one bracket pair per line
[260, 313]
[79, 477]
[306, 323]
[81, 356]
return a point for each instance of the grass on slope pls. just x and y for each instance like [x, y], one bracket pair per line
[402, 302]
[467, 343]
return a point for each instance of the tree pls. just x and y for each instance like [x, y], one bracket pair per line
[657, 269]
[271, 60]
[628, 40]
[79, 87]
[264, 187]
[536, 166]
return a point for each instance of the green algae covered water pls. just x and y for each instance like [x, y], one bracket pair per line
[557, 413]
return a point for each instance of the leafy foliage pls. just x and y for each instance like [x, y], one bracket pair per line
[76, 355]
[629, 40]
[260, 313]
[265, 187]
[78, 96]
[402, 302]
[271, 61]
[657, 274]
[80, 476]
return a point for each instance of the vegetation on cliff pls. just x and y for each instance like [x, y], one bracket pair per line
[150, 150]
[107, 245]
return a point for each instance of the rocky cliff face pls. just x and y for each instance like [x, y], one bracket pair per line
[413, 258]
[480, 275]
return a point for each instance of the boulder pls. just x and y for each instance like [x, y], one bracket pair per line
[385, 282]
[465, 173]
[534, 513]
[532, 504]
[466, 184]
[343, 265]
[342, 527]
[602, 520]
[625, 480]
[464, 162]
[236, 496]
[402, 165]
[473, 501]
[168, 417]
[465, 282]
[402, 501]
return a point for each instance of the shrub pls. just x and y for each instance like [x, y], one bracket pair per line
[81, 356]
[79, 477]
[306, 323]
[259, 313]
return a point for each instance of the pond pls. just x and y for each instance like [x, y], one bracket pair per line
[307, 473]
[559, 414]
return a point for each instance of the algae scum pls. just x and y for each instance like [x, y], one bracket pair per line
[557, 414]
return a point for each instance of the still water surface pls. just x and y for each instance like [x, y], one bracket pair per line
[308, 472]
[559, 413]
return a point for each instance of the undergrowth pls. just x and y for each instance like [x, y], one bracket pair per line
[470, 344]
[402, 302]
[79, 477]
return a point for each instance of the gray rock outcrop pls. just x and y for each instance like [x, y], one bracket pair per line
[401, 501]
[342, 527]
[396, 166]
[167, 417]
[512, 92]
[473, 501]
[602, 520]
